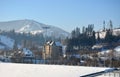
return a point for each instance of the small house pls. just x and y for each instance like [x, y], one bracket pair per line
[27, 53]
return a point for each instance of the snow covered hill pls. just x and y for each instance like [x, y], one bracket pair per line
[6, 42]
[102, 34]
[31, 26]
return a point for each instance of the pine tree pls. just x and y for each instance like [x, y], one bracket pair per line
[98, 37]
[108, 37]
[83, 30]
[93, 38]
[73, 34]
[77, 32]
[111, 25]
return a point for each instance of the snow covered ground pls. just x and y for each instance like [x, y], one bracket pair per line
[35, 70]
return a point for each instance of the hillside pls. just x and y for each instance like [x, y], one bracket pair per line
[102, 34]
[6, 42]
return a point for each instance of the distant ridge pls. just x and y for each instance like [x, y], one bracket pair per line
[33, 27]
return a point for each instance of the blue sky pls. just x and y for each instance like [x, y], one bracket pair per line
[66, 14]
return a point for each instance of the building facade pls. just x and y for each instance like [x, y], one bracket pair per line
[52, 50]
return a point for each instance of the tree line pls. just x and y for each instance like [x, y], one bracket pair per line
[27, 39]
[81, 40]
[85, 38]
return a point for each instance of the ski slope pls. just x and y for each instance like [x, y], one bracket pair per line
[35, 70]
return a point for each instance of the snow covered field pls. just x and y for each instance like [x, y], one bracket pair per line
[35, 70]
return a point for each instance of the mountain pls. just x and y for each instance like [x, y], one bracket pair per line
[33, 27]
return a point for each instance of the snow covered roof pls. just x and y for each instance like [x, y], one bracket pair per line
[58, 44]
[117, 49]
[32, 70]
[53, 42]
[27, 52]
[97, 46]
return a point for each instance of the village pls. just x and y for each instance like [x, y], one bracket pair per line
[59, 38]
[54, 52]
[84, 47]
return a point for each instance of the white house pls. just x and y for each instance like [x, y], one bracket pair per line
[27, 53]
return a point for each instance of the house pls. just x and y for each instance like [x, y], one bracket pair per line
[27, 53]
[24, 55]
[52, 50]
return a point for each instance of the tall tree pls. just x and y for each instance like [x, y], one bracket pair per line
[83, 29]
[93, 38]
[111, 25]
[73, 34]
[109, 36]
[77, 32]
[98, 37]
